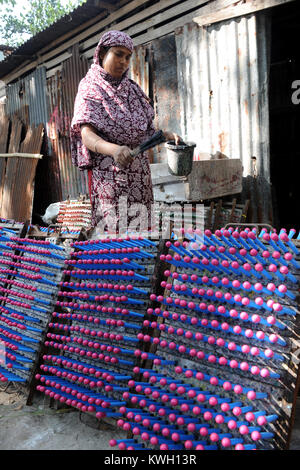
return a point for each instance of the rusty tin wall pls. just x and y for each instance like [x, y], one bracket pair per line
[38, 99]
[223, 78]
[62, 89]
[28, 99]
[165, 88]
[154, 68]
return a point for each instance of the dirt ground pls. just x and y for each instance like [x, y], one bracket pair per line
[39, 427]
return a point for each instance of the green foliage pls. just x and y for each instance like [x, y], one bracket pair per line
[18, 28]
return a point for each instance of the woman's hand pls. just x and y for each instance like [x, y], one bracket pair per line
[95, 143]
[122, 156]
[172, 136]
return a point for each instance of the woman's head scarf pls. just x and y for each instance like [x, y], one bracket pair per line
[118, 109]
[113, 39]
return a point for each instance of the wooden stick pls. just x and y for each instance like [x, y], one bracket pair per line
[231, 217]
[21, 155]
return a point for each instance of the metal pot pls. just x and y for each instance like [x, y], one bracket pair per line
[180, 158]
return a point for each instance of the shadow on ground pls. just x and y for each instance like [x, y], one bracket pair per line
[39, 427]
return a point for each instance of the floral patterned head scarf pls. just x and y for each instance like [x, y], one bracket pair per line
[113, 39]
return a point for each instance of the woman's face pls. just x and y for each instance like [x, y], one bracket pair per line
[116, 60]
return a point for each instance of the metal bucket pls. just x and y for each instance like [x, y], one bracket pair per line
[180, 158]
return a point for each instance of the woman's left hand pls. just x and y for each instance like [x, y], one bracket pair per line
[172, 136]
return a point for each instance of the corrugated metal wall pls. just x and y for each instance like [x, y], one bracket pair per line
[62, 89]
[37, 99]
[29, 93]
[165, 88]
[222, 82]
[28, 99]
[154, 68]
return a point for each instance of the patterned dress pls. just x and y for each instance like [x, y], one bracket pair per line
[121, 114]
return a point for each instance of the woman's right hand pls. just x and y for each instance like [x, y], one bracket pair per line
[122, 156]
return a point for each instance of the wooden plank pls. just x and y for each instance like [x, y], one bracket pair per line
[32, 143]
[106, 5]
[52, 72]
[245, 211]
[15, 135]
[23, 196]
[216, 223]
[167, 179]
[210, 215]
[135, 23]
[231, 217]
[215, 178]
[17, 196]
[217, 11]
[2, 179]
[57, 60]
[4, 129]
[10, 169]
[166, 29]
[4, 134]
[209, 179]
[8, 189]
[158, 32]
[161, 16]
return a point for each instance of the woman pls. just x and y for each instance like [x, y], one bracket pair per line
[112, 115]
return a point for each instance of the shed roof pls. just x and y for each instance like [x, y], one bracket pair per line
[67, 23]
